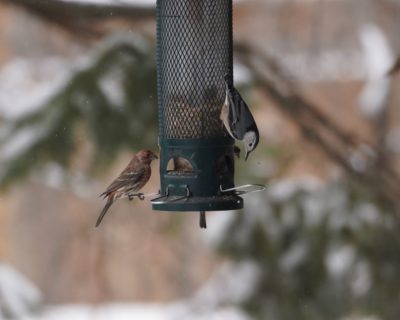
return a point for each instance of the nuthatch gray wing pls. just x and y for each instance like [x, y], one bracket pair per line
[238, 120]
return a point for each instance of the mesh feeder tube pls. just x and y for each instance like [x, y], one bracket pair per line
[194, 53]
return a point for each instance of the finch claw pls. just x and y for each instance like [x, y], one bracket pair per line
[130, 196]
[140, 196]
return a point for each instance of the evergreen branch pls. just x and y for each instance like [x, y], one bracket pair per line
[381, 182]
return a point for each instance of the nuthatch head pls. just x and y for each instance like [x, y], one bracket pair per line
[250, 140]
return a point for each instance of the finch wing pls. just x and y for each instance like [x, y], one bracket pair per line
[127, 177]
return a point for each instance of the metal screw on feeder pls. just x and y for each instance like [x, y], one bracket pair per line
[194, 53]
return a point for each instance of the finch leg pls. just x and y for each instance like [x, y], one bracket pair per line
[132, 196]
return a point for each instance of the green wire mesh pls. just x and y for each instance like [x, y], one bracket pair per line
[194, 54]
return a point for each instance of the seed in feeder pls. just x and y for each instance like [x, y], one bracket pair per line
[182, 165]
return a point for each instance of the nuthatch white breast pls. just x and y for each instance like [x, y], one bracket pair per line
[237, 118]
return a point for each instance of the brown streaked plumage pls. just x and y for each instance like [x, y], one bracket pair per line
[130, 181]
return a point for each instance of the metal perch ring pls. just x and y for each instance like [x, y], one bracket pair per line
[239, 190]
[140, 195]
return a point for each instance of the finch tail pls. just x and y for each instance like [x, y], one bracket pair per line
[104, 194]
[110, 201]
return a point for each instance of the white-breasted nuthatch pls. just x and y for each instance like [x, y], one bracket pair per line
[238, 120]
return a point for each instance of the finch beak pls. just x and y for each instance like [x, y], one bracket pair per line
[247, 155]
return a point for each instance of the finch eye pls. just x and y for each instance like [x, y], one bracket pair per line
[251, 144]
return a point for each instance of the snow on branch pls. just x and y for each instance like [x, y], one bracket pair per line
[111, 94]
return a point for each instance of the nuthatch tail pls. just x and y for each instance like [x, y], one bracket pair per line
[238, 120]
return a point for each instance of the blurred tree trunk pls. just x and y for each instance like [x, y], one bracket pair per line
[81, 17]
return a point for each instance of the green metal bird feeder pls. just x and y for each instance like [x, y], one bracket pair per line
[194, 53]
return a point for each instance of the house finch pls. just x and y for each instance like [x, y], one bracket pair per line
[238, 120]
[131, 180]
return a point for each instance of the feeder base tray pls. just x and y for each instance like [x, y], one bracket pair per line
[177, 203]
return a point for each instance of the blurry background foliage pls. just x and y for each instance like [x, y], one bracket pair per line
[111, 101]
[321, 253]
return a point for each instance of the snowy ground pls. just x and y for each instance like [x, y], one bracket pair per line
[134, 311]
[20, 299]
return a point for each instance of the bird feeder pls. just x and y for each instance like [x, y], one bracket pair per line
[194, 53]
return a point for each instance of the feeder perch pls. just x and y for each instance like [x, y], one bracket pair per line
[194, 53]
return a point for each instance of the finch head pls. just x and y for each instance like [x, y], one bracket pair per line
[146, 156]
